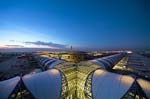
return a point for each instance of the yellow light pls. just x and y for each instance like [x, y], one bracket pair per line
[99, 72]
[144, 84]
[54, 71]
[129, 52]
[127, 80]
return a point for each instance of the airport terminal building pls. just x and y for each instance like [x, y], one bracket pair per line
[100, 78]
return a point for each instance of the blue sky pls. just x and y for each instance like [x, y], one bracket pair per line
[84, 24]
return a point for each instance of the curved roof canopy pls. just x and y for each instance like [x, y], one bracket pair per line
[106, 85]
[7, 87]
[55, 63]
[45, 85]
[49, 62]
[105, 62]
[98, 63]
[138, 62]
[145, 85]
[108, 61]
[44, 61]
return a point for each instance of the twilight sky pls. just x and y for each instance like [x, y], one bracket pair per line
[84, 24]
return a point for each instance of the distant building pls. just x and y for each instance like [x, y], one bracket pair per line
[73, 56]
[70, 56]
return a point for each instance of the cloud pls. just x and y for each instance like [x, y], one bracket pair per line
[48, 44]
[12, 40]
[14, 46]
[15, 41]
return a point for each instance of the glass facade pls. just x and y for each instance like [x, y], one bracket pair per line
[135, 92]
[83, 70]
[88, 87]
[76, 75]
[21, 92]
[121, 64]
[69, 70]
[64, 89]
[76, 80]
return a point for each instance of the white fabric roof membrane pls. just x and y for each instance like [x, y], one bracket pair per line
[44, 85]
[55, 63]
[7, 87]
[101, 63]
[145, 85]
[112, 60]
[44, 60]
[49, 64]
[106, 85]
[40, 60]
[40, 57]
[104, 62]
[116, 59]
[108, 61]
[98, 63]
[49, 61]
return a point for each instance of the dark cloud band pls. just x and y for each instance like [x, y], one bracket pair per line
[49, 44]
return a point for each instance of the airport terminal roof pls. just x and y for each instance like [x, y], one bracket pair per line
[106, 85]
[145, 85]
[7, 87]
[108, 61]
[138, 62]
[44, 85]
[49, 62]
[55, 63]
[98, 63]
